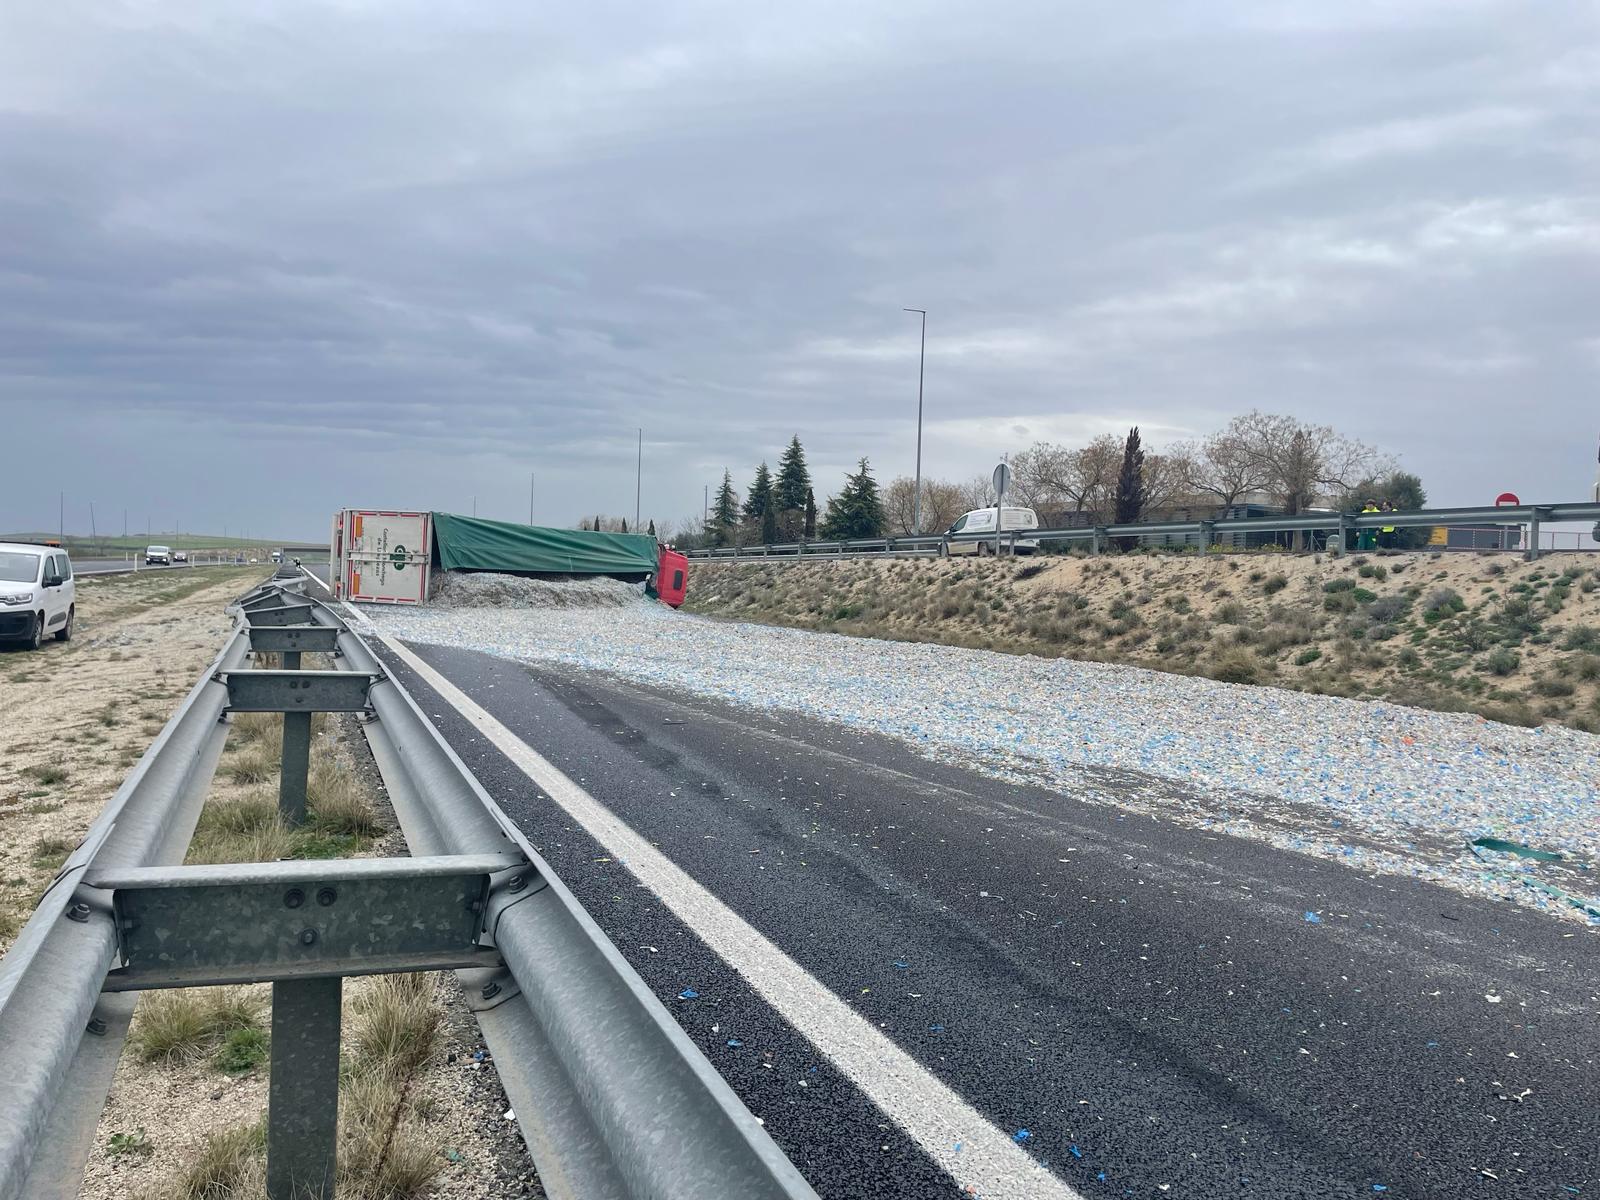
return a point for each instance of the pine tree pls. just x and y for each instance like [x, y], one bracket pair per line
[624, 524]
[769, 525]
[652, 529]
[811, 516]
[760, 495]
[1130, 485]
[792, 489]
[857, 511]
[724, 513]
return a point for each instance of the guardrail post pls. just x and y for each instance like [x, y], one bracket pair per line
[296, 767]
[1208, 536]
[1342, 544]
[1096, 539]
[1533, 534]
[303, 1093]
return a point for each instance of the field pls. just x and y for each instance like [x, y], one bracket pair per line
[109, 546]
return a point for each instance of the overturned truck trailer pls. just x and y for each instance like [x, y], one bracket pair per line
[382, 556]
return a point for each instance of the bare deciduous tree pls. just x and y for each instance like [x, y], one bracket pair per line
[942, 503]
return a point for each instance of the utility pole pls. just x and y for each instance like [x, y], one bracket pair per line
[94, 533]
[638, 482]
[474, 506]
[922, 356]
[530, 497]
[61, 527]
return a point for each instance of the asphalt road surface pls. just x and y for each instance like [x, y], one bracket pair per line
[1163, 1011]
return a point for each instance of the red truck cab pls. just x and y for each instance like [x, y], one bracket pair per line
[672, 577]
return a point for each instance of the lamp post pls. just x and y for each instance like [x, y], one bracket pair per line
[922, 355]
[638, 482]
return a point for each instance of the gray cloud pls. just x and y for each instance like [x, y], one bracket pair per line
[257, 263]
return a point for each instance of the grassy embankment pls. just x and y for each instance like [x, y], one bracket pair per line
[1512, 640]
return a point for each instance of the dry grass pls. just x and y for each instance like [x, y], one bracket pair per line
[231, 1166]
[188, 1024]
[337, 802]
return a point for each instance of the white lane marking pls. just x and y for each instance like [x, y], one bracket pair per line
[988, 1162]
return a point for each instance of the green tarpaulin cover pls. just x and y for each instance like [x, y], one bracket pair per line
[475, 544]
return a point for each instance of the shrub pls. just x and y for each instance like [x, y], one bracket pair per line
[1442, 602]
[1306, 657]
[1339, 585]
[1549, 685]
[1275, 585]
[1230, 613]
[1363, 596]
[1234, 667]
[1584, 637]
[1373, 571]
[1502, 661]
[1340, 602]
[1388, 608]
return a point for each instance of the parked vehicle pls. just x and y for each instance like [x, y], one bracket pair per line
[158, 556]
[37, 593]
[981, 521]
[180, 556]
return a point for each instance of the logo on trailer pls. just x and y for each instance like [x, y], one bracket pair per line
[398, 557]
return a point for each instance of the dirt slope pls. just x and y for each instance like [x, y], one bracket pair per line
[1513, 640]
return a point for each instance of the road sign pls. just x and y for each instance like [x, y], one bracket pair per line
[1506, 500]
[1002, 481]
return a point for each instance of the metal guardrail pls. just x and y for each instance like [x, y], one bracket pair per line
[1341, 525]
[613, 1100]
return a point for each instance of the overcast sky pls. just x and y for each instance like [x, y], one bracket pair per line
[262, 260]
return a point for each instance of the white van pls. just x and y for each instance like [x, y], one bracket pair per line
[981, 521]
[38, 595]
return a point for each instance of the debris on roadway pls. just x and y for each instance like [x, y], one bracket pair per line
[1374, 785]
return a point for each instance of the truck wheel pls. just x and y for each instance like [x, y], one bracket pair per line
[37, 636]
[983, 549]
[64, 634]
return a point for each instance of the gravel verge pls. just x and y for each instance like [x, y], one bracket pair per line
[1400, 790]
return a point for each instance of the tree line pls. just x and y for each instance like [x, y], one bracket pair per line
[1288, 464]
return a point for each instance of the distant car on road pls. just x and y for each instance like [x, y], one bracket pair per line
[277, 556]
[155, 556]
[981, 520]
[180, 556]
[37, 593]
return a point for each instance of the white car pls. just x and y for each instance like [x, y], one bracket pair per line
[158, 555]
[37, 593]
[981, 521]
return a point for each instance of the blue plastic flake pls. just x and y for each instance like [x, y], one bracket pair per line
[1313, 919]
[688, 994]
[1022, 1135]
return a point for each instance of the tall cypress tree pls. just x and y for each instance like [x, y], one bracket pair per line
[1130, 485]
[724, 513]
[794, 480]
[759, 498]
[652, 527]
[790, 490]
[769, 525]
[811, 516]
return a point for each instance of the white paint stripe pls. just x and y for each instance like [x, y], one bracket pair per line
[989, 1162]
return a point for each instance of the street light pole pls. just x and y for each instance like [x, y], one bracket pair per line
[530, 497]
[922, 355]
[638, 482]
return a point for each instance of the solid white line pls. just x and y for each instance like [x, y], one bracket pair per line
[980, 1157]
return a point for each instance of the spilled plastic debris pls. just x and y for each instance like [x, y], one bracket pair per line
[487, 589]
[1375, 786]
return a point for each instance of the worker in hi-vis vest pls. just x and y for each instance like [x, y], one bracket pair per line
[1386, 533]
[1366, 539]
